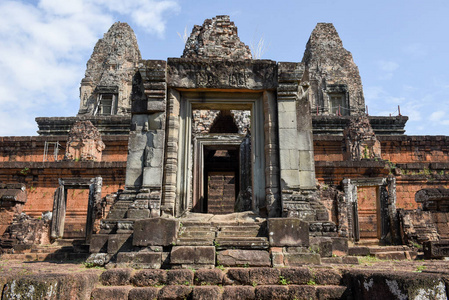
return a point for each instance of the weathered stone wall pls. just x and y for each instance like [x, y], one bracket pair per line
[110, 69]
[216, 39]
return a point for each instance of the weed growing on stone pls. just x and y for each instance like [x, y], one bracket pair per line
[311, 282]
[283, 281]
[420, 268]
[220, 267]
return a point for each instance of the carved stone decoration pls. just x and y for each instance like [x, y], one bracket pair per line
[360, 140]
[110, 70]
[216, 39]
[84, 142]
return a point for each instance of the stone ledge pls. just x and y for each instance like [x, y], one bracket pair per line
[63, 164]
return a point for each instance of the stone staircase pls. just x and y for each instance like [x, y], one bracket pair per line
[234, 283]
[223, 236]
[385, 252]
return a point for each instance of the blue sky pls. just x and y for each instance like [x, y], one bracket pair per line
[399, 46]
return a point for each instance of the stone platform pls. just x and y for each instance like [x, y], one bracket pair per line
[370, 280]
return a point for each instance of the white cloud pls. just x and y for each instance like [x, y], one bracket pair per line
[387, 69]
[437, 115]
[44, 49]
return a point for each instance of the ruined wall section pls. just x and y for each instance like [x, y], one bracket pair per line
[110, 70]
[331, 70]
[217, 39]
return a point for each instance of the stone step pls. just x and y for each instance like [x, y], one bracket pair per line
[216, 292]
[189, 227]
[242, 243]
[194, 242]
[197, 234]
[240, 228]
[374, 250]
[224, 234]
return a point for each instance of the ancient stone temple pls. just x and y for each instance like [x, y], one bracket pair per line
[215, 158]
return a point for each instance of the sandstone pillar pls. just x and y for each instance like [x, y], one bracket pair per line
[147, 140]
[297, 168]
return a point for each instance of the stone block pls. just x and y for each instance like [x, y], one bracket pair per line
[237, 257]
[264, 276]
[268, 292]
[119, 242]
[330, 292]
[156, 106]
[238, 292]
[396, 255]
[288, 232]
[206, 292]
[339, 246]
[107, 293]
[277, 257]
[297, 276]
[147, 260]
[359, 251]
[237, 276]
[350, 260]
[149, 278]
[156, 121]
[152, 176]
[192, 255]
[300, 259]
[98, 243]
[138, 213]
[155, 232]
[289, 177]
[115, 277]
[302, 292]
[288, 120]
[434, 250]
[208, 277]
[181, 276]
[175, 292]
[321, 245]
[327, 277]
[288, 139]
[143, 293]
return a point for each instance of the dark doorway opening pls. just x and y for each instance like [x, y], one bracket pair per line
[222, 182]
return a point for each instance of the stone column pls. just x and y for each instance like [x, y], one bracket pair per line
[147, 139]
[297, 165]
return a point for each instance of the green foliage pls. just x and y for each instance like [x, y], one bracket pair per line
[220, 267]
[311, 282]
[420, 268]
[283, 281]
[24, 171]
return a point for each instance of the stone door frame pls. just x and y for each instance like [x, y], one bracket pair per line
[94, 186]
[222, 141]
[386, 200]
[181, 105]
